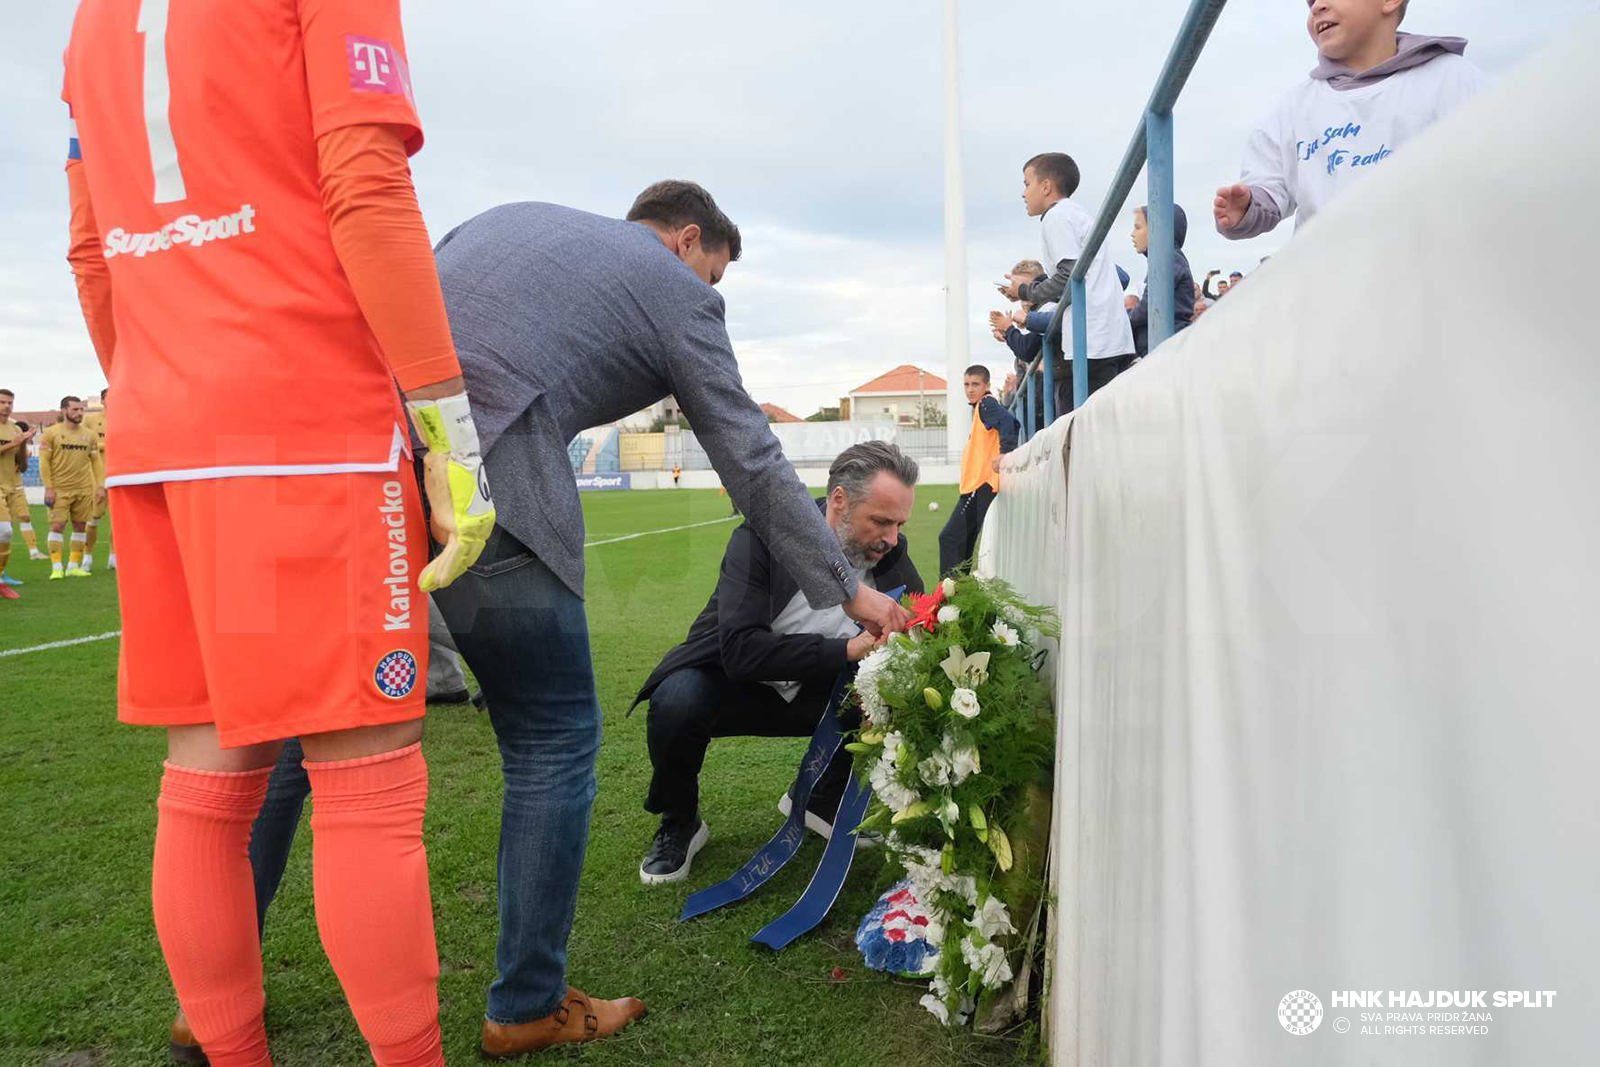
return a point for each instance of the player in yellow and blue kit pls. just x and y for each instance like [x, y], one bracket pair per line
[96, 421]
[74, 477]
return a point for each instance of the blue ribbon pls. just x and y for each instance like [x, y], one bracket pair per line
[782, 846]
[825, 885]
[829, 878]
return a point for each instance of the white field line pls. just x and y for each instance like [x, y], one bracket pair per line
[669, 529]
[61, 644]
[587, 544]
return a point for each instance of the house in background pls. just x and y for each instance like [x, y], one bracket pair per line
[662, 411]
[905, 396]
[777, 414]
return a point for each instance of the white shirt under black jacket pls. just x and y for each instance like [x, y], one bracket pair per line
[799, 617]
[1066, 227]
[1319, 139]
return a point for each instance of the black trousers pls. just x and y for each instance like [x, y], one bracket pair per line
[960, 534]
[695, 704]
[1101, 372]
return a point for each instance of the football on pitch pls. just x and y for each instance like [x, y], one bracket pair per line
[933, 505]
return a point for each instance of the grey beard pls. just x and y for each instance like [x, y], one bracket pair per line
[854, 551]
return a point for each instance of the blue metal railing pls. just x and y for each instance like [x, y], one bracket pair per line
[1152, 141]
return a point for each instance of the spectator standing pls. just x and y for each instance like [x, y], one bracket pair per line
[994, 433]
[1023, 332]
[1048, 181]
[1373, 90]
[1182, 278]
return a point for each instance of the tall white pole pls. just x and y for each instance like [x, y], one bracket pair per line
[958, 340]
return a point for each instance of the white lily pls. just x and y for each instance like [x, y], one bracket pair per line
[966, 670]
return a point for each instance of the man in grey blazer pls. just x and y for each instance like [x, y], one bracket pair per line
[565, 320]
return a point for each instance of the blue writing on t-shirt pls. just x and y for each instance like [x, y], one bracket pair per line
[1308, 149]
[1340, 157]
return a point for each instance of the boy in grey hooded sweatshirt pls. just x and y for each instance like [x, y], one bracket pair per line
[1373, 89]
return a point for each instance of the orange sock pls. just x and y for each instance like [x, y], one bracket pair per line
[205, 908]
[374, 908]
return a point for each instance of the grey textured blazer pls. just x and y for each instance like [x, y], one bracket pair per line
[565, 320]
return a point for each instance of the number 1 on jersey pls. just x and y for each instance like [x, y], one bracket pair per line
[157, 100]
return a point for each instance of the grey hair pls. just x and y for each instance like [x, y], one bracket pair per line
[857, 465]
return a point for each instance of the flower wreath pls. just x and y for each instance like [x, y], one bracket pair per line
[956, 739]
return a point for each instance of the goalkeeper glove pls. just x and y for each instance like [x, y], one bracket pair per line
[456, 484]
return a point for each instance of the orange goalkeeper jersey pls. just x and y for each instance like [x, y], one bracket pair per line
[240, 346]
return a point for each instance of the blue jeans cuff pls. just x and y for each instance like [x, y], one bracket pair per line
[504, 1020]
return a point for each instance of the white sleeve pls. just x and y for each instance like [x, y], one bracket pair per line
[1070, 239]
[1268, 162]
[1061, 238]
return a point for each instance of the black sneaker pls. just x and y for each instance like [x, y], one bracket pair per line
[454, 696]
[673, 850]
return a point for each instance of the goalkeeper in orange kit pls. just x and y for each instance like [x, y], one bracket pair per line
[247, 214]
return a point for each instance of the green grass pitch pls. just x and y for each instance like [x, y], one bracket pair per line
[84, 984]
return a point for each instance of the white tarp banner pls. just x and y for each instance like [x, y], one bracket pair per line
[812, 444]
[1329, 570]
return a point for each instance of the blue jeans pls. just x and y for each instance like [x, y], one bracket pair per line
[273, 832]
[526, 637]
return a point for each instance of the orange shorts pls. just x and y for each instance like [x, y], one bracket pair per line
[272, 606]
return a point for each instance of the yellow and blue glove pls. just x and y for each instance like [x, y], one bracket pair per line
[456, 484]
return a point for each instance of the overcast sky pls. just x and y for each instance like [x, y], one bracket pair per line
[818, 127]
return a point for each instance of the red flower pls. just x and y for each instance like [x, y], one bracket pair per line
[925, 609]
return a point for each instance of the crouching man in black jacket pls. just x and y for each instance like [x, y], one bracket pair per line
[759, 661]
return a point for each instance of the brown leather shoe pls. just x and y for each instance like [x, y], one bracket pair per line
[576, 1018]
[183, 1044]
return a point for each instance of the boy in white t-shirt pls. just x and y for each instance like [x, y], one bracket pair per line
[1373, 90]
[1048, 180]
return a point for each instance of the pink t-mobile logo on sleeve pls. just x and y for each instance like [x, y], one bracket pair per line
[376, 66]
